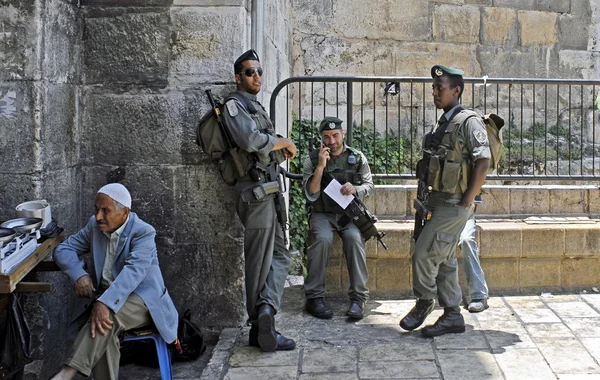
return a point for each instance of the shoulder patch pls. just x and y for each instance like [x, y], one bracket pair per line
[232, 108]
[480, 136]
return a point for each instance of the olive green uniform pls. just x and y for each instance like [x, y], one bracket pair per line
[267, 260]
[350, 166]
[435, 268]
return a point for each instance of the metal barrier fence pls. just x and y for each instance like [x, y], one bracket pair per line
[549, 134]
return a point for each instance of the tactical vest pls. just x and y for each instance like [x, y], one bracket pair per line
[342, 171]
[450, 165]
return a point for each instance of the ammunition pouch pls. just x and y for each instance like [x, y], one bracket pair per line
[260, 192]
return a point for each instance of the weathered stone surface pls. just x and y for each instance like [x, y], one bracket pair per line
[126, 3]
[493, 238]
[313, 16]
[394, 275]
[495, 200]
[529, 200]
[381, 19]
[113, 124]
[539, 273]
[538, 28]
[390, 201]
[19, 41]
[458, 24]
[61, 52]
[499, 27]
[205, 43]
[515, 4]
[210, 3]
[582, 240]
[574, 33]
[581, 363]
[126, 48]
[479, 2]
[501, 273]
[580, 272]
[58, 187]
[59, 132]
[330, 359]
[482, 363]
[565, 200]
[17, 146]
[559, 6]
[543, 241]
[15, 189]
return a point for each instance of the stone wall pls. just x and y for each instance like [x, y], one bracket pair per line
[98, 91]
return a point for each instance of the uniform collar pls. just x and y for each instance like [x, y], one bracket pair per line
[448, 115]
[248, 95]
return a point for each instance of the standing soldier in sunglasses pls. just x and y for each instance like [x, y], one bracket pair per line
[267, 260]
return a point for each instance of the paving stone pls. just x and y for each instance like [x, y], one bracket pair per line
[524, 364]
[328, 376]
[529, 315]
[508, 335]
[549, 330]
[593, 299]
[580, 361]
[329, 359]
[471, 339]
[419, 369]
[584, 327]
[406, 349]
[593, 346]
[247, 356]
[579, 376]
[481, 365]
[573, 310]
[260, 373]
[525, 302]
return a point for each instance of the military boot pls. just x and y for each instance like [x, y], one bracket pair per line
[318, 308]
[283, 343]
[450, 322]
[267, 339]
[356, 309]
[416, 316]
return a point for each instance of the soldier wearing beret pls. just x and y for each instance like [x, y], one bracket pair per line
[457, 160]
[267, 260]
[349, 167]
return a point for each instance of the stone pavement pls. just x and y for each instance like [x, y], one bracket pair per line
[518, 337]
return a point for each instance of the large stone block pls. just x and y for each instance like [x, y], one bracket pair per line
[394, 275]
[204, 207]
[381, 19]
[573, 32]
[15, 189]
[390, 200]
[501, 273]
[498, 62]
[313, 16]
[499, 27]
[567, 200]
[126, 48]
[495, 201]
[416, 59]
[207, 279]
[479, 2]
[211, 3]
[582, 240]
[458, 24]
[580, 272]
[543, 240]
[539, 273]
[18, 104]
[558, 6]
[206, 43]
[59, 131]
[62, 189]
[398, 239]
[594, 201]
[529, 200]
[538, 28]
[131, 128]
[126, 3]
[19, 40]
[500, 240]
[515, 4]
[61, 39]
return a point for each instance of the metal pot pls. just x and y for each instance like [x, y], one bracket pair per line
[7, 234]
[23, 225]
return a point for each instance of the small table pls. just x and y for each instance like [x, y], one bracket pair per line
[12, 282]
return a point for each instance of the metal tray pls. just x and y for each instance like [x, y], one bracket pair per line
[22, 225]
[7, 234]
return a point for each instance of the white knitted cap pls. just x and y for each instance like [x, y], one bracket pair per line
[117, 192]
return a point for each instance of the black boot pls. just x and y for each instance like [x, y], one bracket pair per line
[356, 309]
[253, 336]
[450, 322]
[267, 339]
[283, 343]
[416, 316]
[318, 308]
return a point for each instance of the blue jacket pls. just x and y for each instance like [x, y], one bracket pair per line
[135, 270]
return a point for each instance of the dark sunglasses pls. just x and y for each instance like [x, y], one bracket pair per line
[250, 72]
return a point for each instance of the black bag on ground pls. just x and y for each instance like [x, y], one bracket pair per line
[190, 338]
[16, 342]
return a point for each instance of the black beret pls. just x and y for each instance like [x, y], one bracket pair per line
[249, 55]
[439, 70]
[330, 122]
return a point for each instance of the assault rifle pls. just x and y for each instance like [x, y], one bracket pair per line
[358, 213]
[422, 213]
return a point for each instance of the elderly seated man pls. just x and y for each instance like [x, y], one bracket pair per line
[124, 290]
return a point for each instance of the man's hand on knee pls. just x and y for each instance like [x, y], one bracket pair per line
[100, 319]
[84, 287]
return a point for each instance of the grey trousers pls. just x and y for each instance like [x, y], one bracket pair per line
[322, 227]
[478, 288]
[101, 354]
[267, 259]
[435, 268]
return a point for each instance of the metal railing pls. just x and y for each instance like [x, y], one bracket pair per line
[549, 134]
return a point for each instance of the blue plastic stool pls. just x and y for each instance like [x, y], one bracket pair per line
[164, 357]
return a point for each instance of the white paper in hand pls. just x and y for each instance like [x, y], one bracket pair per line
[334, 190]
